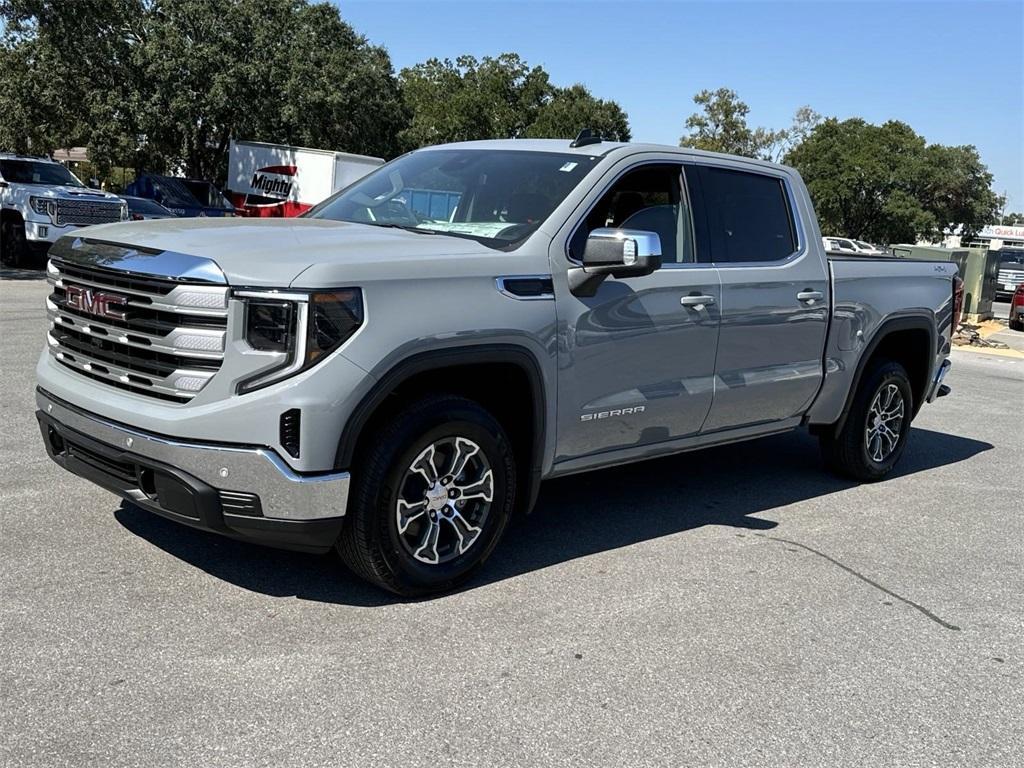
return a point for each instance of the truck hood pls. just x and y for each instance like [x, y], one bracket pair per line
[71, 193]
[275, 252]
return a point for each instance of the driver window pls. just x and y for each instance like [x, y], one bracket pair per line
[650, 198]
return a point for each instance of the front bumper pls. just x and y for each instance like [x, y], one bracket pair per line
[45, 232]
[245, 492]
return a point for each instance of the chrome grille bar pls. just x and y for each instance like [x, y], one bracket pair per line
[168, 344]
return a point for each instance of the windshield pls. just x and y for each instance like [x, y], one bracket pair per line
[141, 205]
[32, 172]
[495, 196]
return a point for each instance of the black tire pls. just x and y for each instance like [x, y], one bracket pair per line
[371, 544]
[13, 245]
[848, 451]
[1017, 326]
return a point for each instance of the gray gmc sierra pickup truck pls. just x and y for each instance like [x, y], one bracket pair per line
[394, 373]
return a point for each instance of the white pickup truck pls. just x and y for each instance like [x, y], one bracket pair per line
[40, 200]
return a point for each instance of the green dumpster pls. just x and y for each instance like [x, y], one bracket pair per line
[977, 267]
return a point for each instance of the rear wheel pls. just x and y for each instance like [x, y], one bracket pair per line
[874, 435]
[13, 244]
[431, 499]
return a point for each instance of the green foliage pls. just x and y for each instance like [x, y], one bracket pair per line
[165, 84]
[885, 184]
[1012, 219]
[721, 126]
[500, 97]
[571, 109]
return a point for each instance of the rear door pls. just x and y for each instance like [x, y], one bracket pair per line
[775, 296]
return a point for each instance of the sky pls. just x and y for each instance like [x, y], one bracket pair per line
[954, 71]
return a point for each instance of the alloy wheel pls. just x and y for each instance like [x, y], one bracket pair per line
[443, 500]
[885, 423]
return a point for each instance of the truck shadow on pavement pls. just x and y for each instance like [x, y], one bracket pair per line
[575, 516]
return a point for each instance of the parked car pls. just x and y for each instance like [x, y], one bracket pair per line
[139, 209]
[1011, 274]
[182, 197]
[278, 180]
[1017, 309]
[40, 200]
[846, 245]
[396, 385]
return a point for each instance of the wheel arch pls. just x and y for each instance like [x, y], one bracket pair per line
[898, 339]
[491, 364]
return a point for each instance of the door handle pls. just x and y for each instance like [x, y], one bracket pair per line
[809, 297]
[696, 301]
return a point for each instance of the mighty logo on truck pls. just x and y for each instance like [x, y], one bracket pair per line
[268, 180]
[276, 180]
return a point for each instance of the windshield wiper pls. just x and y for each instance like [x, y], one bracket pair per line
[406, 227]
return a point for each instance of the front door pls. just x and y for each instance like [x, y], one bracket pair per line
[775, 297]
[636, 361]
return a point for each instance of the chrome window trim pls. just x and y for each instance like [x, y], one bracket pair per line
[499, 283]
[681, 161]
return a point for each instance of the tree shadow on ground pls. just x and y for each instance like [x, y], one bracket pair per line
[575, 516]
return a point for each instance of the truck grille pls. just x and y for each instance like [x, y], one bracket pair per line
[156, 337]
[1012, 277]
[86, 212]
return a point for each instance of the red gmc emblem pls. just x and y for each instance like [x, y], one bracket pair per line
[96, 302]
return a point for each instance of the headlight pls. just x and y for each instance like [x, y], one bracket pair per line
[45, 206]
[270, 325]
[301, 329]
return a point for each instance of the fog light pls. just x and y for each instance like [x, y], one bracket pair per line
[44, 231]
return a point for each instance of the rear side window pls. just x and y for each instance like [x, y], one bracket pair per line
[749, 216]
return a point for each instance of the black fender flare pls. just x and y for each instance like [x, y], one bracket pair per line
[914, 322]
[479, 354]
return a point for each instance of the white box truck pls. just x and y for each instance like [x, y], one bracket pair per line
[277, 180]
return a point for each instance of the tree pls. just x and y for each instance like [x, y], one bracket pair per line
[571, 109]
[165, 84]
[721, 126]
[469, 99]
[498, 98]
[886, 184]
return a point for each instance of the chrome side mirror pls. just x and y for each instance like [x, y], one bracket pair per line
[616, 253]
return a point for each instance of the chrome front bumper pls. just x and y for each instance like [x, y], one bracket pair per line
[284, 494]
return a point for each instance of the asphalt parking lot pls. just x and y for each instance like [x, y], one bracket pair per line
[732, 607]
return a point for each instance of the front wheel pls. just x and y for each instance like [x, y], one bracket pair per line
[431, 499]
[875, 433]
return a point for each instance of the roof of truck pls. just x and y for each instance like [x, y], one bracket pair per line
[16, 156]
[592, 150]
